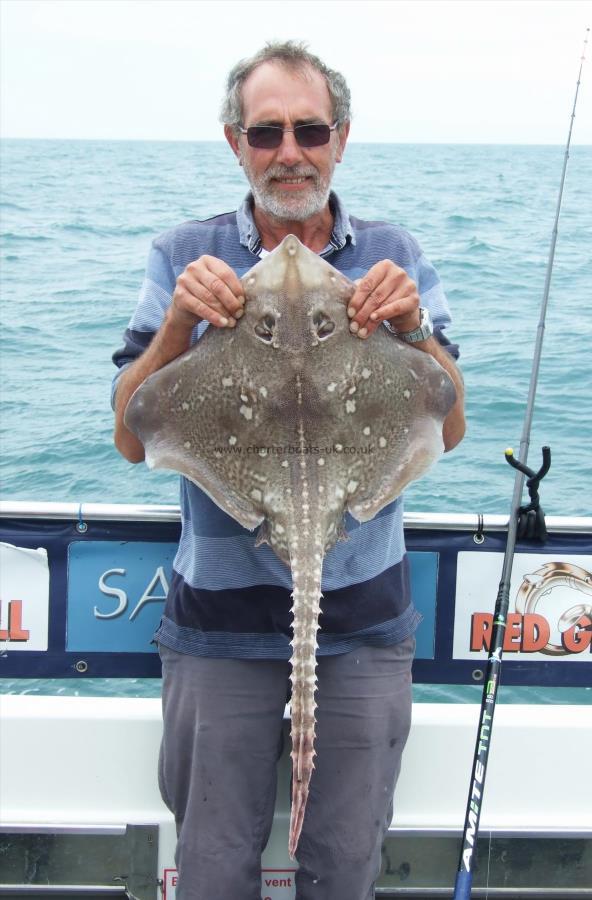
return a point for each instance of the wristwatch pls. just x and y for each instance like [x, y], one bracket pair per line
[425, 330]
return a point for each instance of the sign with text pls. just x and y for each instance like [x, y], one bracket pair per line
[550, 611]
[276, 884]
[116, 593]
[24, 598]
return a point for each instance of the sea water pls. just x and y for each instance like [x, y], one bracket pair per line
[77, 218]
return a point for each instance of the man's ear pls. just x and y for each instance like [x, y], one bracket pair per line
[342, 136]
[232, 138]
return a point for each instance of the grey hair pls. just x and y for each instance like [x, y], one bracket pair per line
[291, 54]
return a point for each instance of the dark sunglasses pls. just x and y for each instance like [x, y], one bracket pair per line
[269, 137]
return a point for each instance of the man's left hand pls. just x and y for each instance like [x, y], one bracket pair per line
[385, 292]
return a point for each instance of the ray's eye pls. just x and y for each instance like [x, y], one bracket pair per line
[324, 326]
[264, 328]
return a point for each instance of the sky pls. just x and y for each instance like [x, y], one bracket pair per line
[449, 71]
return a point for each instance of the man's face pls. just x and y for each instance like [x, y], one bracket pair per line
[290, 183]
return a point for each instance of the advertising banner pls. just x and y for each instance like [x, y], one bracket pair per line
[550, 612]
[117, 590]
[24, 598]
[116, 594]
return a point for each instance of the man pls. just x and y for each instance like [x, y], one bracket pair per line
[224, 637]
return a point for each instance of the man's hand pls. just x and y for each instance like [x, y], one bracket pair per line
[385, 292]
[207, 289]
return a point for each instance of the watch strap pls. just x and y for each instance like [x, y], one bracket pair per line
[421, 333]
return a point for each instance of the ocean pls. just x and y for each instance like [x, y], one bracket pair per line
[77, 218]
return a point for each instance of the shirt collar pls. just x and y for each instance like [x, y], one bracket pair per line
[342, 228]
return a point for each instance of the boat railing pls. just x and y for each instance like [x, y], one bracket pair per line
[134, 512]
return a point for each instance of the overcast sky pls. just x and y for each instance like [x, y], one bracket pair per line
[468, 71]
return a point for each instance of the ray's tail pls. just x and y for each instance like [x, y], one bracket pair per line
[306, 557]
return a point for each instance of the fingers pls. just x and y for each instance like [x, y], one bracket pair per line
[385, 292]
[209, 289]
[222, 283]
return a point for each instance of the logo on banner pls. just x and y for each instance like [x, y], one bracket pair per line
[552, 607]
[24, 598]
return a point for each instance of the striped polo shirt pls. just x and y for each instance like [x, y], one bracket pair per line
[229, 598]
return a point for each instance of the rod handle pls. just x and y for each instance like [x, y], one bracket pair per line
[462, 886]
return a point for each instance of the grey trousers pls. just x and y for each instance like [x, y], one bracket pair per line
[217, 769]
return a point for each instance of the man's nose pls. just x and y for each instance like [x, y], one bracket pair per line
[289, 153]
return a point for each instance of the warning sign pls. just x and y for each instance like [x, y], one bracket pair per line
[170, 884]
[276, 884]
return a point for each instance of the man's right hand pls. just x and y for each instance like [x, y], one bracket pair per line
[207, 289]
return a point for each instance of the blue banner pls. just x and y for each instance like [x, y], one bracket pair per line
[424, 585]
[116, 593]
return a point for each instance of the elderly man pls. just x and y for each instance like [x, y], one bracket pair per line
[224, 636]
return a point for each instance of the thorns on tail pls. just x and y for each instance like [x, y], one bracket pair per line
[306, 559]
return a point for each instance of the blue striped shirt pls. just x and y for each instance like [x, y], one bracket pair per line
[229, 598]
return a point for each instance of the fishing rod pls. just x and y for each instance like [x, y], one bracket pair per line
[522, 520]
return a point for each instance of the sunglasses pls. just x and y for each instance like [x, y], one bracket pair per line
[269, 137]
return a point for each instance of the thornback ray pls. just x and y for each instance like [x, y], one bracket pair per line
[288, 421]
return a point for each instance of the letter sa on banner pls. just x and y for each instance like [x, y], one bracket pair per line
[276, 884]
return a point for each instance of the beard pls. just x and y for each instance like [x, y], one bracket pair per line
[286, 206]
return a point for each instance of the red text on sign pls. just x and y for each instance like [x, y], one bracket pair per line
[15, 631]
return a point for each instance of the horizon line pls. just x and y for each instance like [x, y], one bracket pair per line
[350, 143]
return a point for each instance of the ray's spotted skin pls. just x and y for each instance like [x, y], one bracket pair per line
[288, 421]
